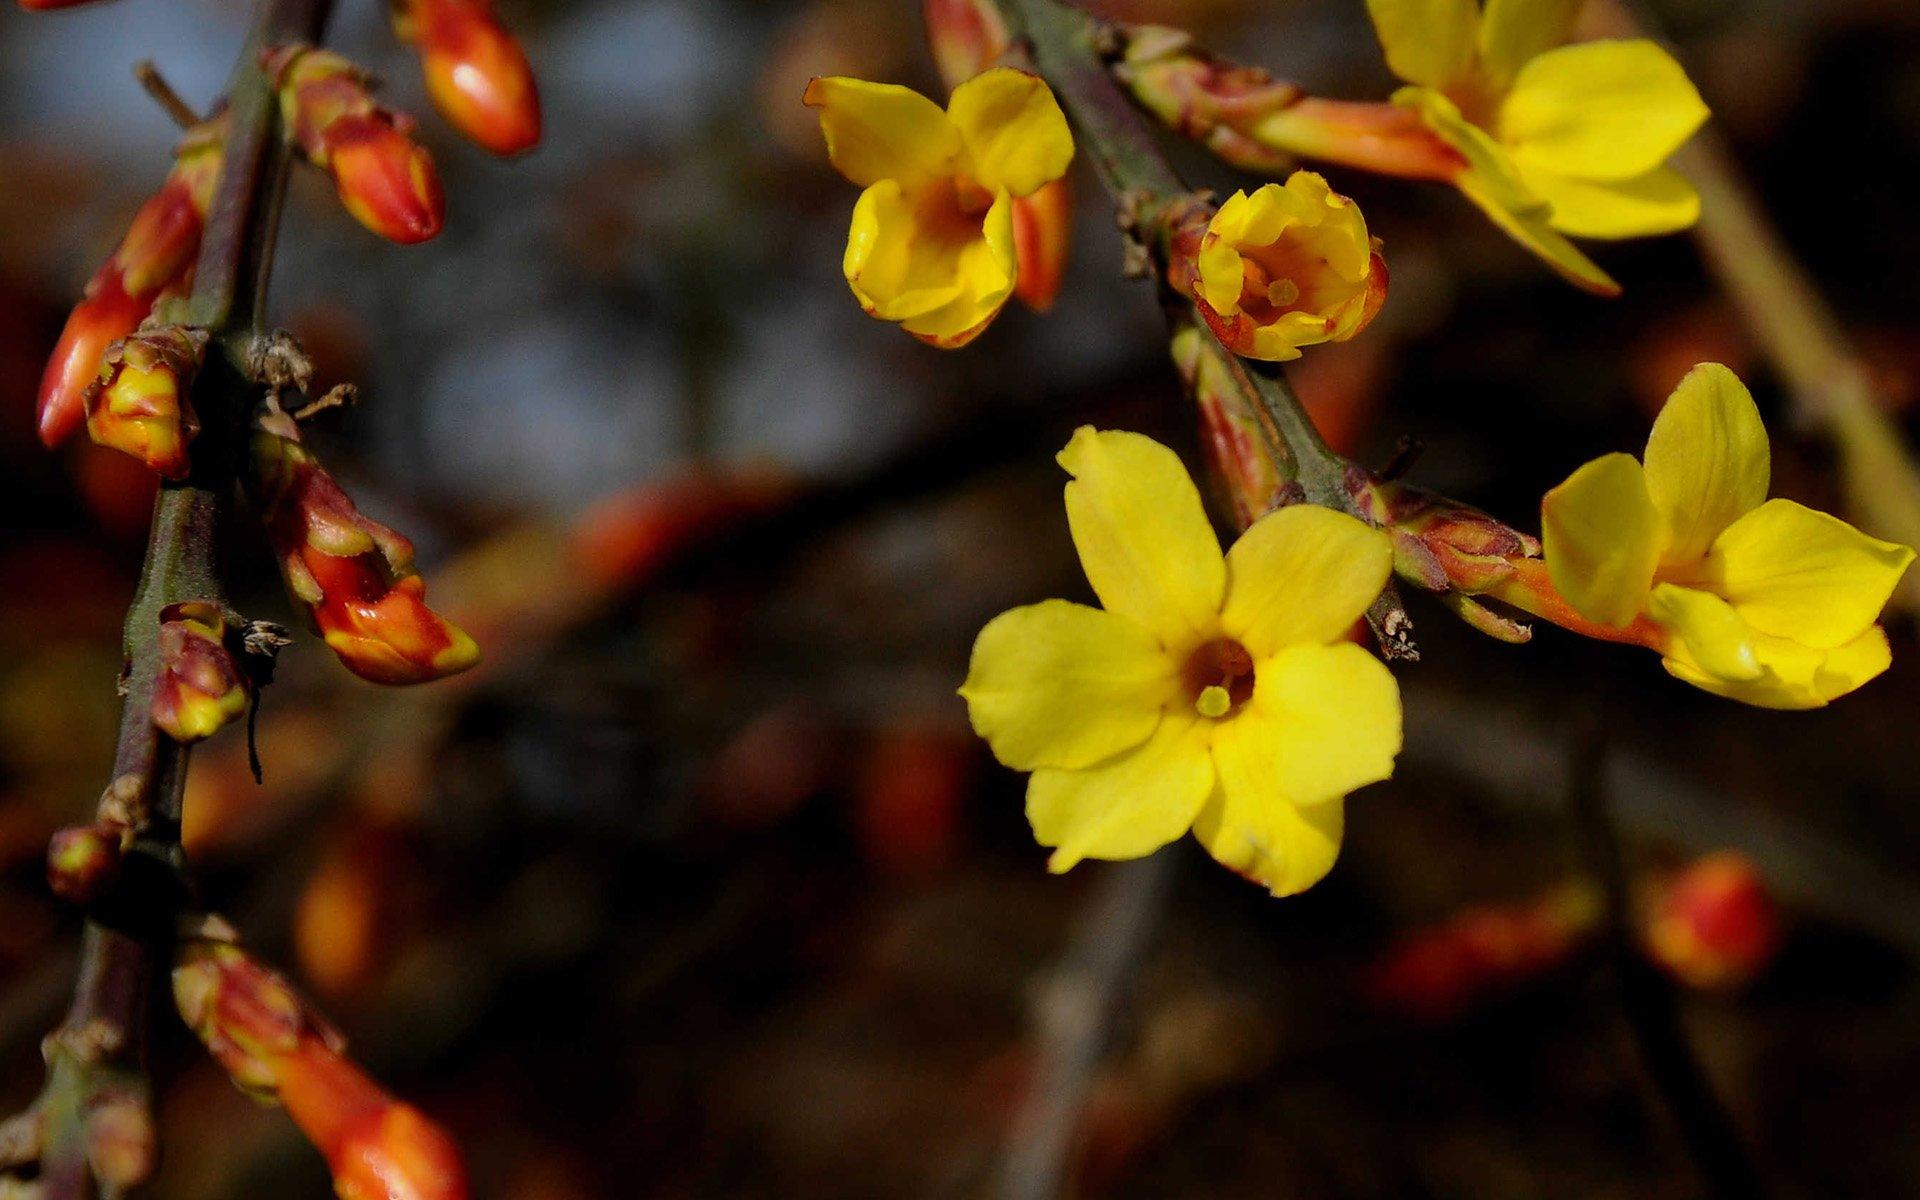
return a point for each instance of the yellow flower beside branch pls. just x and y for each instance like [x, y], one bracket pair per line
[1212, 692]
[1551, 141]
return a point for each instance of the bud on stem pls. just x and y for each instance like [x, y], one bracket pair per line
[138, 403]
[201, 685]
[384, 178]
[475, 71]
[354, 576]
[156, 257]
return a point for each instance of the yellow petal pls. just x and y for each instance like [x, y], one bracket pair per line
[1279, 846]
[1712, 635]
[1322, 721]
[1512, 32]
[1661, 201]
[878, 131]
[1429, 42]
[1056, 684]
[1143, 536]
[1795, 573]
[1015, 134]
[1302, 574]
[1127, 806]
[1707, 460]
[1600, 110]
[985, 270]
[1794, 676]
[1602, 539]
[1492, 182]
[898, 265]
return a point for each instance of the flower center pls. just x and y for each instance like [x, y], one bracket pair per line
[1219, 678]
[972, 199]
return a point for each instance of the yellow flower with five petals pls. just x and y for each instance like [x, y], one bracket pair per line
[932, 243]
[1212, 692]
[1764, 601]
[1556, 139]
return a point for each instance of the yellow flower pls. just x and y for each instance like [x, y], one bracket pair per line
[1760, 600]
[1557, 140]
[932, 245]
[1214, 692]
[1287, 267]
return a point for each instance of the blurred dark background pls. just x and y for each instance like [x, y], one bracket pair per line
[700, 886]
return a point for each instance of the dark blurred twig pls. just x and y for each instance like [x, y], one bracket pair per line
[1074, 1016]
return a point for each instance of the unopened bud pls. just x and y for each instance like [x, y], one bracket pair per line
[384, 178]
[138, 403]
[354, 576]
[1447, 547]
[156, 256]
[966, 36]
[1714, 923]
[122, 1146]
[475, 71]
[81, 860]
[1231, 433]
[376, 1146]
[1042, 235]
[248, 1016]
[201, 686]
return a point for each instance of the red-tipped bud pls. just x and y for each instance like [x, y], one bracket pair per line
[81, 860]
[1243, 459]
[377, 1147]
[156, 256]
[201, 685]
[384, 178]
[1439, 972]
[249, 1017]
[967, 37]
[138, 403]
[475, 70]
[354, 576]
[1714, 923]
[1042, 235]
[51, 5]
[1447, 547]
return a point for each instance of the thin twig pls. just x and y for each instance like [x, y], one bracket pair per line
[170, 101]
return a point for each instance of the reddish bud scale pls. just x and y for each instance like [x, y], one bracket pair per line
[354, 576]
[51, 5]
[201, 686]
[81, 859]
[966, 36]
[248, 1016]
[476, 71]
[1714, 923]
[156, 256]
[384, 178]
[138, 403]
[1231, 433]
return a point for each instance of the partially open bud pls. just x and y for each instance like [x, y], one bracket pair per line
[1231, 434]
[1042, 235]
[354, 576]
[1281, 268]
[274, 1045]
[155, 257]
[81, 859]
[138, 402]
[384, 178]
[1713, 924]
[475, 70]
[966, 36]
[201, 685]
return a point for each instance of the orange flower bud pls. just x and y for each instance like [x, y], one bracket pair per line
[138, 403]
[249, 1017]
[156, 255]
[967, 37]
[51, 5]
[377, 1147]
[81, 860]
[1714, 923]
[384, 178]
[1439, 972]
[1042, 233]
[475, 71]
[201, 685]
[354, 576]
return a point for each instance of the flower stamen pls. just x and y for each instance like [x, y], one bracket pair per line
[1219, 677]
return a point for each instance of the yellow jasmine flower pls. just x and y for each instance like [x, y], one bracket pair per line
[932, 244]
[1286, 267]
[1556, 140]
[1213, 692]
[1760, 600]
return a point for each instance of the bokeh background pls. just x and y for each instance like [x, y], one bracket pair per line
[700, 886]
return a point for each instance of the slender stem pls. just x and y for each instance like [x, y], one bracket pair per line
[101, 1043]
[1646, 996]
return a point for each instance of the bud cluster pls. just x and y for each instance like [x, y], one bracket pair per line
[155, 260]
[276, 1047]
[354, 576]
[384, 178]
[138, 403]
[475, 71]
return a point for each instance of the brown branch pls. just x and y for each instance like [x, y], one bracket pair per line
[171, 102]
[95, 1058]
